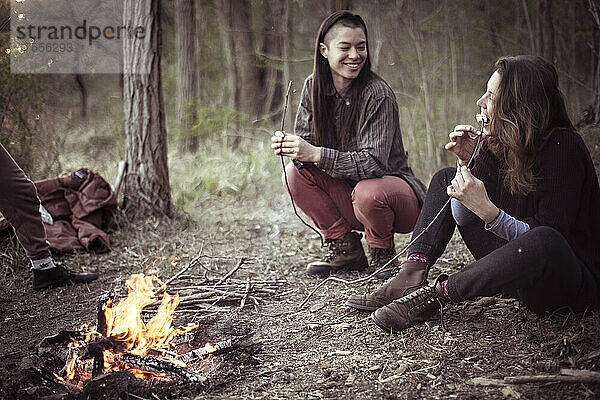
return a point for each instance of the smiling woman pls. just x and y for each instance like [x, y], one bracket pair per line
[350, 169]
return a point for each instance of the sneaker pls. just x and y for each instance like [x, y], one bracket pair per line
[411, 276]
[59, 276]
[381, 257]
[346, 254]
[418, 306]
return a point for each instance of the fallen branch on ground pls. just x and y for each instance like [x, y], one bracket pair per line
[566, 375]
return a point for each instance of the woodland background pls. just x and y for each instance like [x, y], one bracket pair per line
[224, 66]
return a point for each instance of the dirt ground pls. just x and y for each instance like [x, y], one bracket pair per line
[323, 350]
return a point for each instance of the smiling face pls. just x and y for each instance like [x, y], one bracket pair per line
[486, 102]
[346, 52]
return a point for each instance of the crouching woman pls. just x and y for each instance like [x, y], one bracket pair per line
[354, 174]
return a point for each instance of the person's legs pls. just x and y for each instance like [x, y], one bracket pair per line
[429, 246]
[413, 274]
[20, 206]
[383, 206]
[327, 201]
[434, 240]
[539, 266]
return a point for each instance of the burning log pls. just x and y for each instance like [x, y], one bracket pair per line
[153, 364]
[62, 337]
[217, 348]
[101, 328]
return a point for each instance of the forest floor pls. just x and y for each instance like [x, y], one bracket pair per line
[321, 350]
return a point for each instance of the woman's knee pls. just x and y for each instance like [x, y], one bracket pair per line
[552, 239]
[367, 196]
[443, 177]
[290, 177]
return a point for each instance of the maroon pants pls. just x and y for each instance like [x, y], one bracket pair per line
[20, 206]
[379, 206]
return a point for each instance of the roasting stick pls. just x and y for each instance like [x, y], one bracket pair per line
[481, 119]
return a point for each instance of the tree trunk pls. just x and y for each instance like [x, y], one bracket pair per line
[547, 30]
[272, 45]
[593, 8]
[250, 83]
[224, 10]
[83, 90]
[147, 190]
[532, 44]
[491, 16]
[186, 74]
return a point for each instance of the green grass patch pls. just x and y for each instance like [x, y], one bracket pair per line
[218, 171]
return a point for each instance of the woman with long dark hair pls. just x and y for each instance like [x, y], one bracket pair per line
[528, 210]
[350, 169]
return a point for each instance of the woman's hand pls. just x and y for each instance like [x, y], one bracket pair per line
[471, 192]
[461, 143]
[295, 147]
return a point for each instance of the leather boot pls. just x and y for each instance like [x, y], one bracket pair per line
[59, 276]
[411, 276]
[345, 254]
[381, 257]
[418, 306]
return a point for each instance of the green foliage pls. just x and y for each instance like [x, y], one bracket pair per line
[217, 170]
[212, 122]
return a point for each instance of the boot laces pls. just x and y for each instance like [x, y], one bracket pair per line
[336, 247]
[421, 301]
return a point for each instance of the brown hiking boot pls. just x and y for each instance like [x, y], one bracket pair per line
[418, 306]
[381, 257]
[411, 276]
[345, 254]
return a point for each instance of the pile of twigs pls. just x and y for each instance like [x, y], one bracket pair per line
[207, 294]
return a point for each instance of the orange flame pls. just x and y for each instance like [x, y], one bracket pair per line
[125, 324]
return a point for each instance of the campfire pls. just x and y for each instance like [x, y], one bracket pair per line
[122, 341]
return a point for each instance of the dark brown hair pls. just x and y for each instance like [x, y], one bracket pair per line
[527, 109]
[323, 127]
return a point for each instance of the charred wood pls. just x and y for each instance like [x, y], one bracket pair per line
[62, 337]
[153, 364]
[98, 351]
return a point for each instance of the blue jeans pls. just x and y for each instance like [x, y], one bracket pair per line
[539, 267]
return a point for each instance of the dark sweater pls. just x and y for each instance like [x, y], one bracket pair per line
[567, 196]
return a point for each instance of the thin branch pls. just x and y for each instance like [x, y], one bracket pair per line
[242, 261]
[281, 59]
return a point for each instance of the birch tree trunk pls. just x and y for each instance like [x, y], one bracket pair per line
[186, 74]
[146, 185]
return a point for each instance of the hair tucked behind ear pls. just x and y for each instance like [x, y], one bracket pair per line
[528, 108]
[323, 127]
